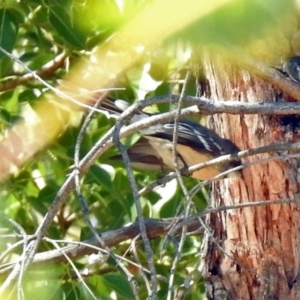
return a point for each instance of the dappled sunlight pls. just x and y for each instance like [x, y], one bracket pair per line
[107, 62]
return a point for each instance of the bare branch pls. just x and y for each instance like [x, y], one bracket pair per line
[210, 107]
[154, 227]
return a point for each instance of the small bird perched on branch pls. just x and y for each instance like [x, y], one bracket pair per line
[195, 144]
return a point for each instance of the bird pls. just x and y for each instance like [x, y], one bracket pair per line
[292, 68]
[195, 144]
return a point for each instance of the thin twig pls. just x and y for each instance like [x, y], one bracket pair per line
[19, 268]
[74, 268]
[185, 192]
[136, 197]
[225, 158]
[136, 256]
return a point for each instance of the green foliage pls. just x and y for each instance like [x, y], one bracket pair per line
[237, 23]
[8, 29]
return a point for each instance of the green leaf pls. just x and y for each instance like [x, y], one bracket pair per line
[46, 195]
[101, 176]
[27, 96]
[8, 30]
[5, 116]
[120, 285]
[60, 19]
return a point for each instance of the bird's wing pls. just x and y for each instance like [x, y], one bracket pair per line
[194, 135]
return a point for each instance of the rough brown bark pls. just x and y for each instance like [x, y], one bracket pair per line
[261, 258]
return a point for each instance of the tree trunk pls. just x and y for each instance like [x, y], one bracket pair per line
[261, 245]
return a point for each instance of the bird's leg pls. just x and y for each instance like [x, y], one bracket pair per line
[185, 169]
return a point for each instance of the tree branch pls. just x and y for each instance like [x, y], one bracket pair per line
[46, 70]
[155, 228]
